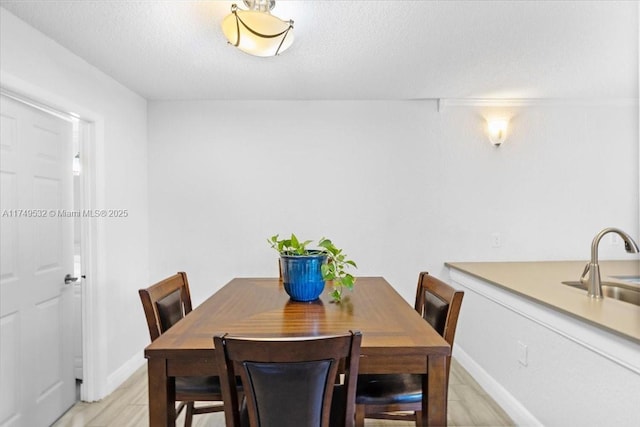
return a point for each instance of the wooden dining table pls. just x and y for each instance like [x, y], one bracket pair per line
[395, 338]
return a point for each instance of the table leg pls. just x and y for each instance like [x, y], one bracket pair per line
[434, 407]
[162, 394]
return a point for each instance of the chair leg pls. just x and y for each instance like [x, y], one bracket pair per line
[188, 416]
[418, 418]
[360, 415]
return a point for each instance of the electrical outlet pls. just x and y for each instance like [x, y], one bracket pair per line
[496, 240]
[614, 239]
[522, 354]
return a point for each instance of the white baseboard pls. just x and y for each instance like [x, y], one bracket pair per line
[518, 413]
[120, 375]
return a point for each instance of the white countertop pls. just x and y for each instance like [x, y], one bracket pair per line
[541, 282]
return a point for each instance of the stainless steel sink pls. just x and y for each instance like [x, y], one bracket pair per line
[626, 293]
[633, 280]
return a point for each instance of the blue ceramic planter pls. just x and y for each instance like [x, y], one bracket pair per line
[302, 276]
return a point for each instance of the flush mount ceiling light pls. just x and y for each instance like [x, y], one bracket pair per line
[256, 31]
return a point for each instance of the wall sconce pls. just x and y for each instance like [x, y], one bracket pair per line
[497, 131]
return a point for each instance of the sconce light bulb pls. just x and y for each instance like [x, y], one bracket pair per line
[497, 130]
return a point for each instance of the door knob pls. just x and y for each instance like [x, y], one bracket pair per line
[69, 279]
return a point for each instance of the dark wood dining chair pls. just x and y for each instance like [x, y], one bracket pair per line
[165, 303]
[399, 396]
[289, 382]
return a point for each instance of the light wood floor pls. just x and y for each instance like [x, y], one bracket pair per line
[127, 406]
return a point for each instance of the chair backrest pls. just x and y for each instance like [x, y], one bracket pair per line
[289, 381]
[165, 303]
[439, 304]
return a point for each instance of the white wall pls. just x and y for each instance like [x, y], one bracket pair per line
[401, 186]
[38, 67]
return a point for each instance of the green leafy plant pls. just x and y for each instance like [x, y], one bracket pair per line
[335, 270]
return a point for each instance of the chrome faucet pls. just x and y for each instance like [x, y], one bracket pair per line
[594, 284]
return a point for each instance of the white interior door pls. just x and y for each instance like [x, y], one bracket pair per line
[37, 384]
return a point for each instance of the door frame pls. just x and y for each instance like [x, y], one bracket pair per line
[91, 147]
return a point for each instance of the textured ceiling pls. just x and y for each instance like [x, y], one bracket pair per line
[357, 49]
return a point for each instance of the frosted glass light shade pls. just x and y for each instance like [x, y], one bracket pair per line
[257, 33]
[497, 130]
